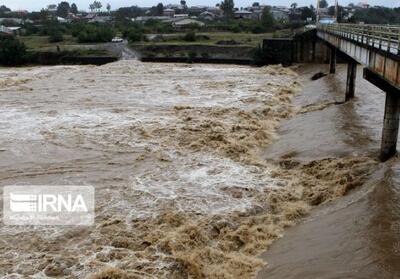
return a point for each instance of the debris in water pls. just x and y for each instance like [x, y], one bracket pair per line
[318, 76]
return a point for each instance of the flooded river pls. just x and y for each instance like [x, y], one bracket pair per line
[198, 169]
[357, 236]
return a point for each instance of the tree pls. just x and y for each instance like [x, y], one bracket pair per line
[135, 35]
[267, 19]
[293, 6]
[323, 4]
[227, 7]
[256, 4]
[4, 9]
[108, 7]
[128, 12]
[55, 35]
[160, 9]
[307, 12]
[63, 9]
[95, 6]
[183, 3]
[74, 9]
[12, 51]
[44, 15]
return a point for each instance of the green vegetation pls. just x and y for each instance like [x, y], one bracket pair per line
[267, 20]
[91, 33]
[43, 43]
[192, 55]
[212, 38]
[12, 51]
[190, 37]
[377, 15]
[227, 6]
[55, 36]
[135, 36]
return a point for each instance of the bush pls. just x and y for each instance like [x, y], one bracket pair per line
[190, 37]
[56, 36]
[236, 29]
[192, 55]
[135, 36]
[205, 55]
[12, 51]
[257, 29]
[95, 34]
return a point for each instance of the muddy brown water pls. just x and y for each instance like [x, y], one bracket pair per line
[198, 169]
[357, 236]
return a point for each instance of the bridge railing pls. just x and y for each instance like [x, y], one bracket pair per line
[383, 37]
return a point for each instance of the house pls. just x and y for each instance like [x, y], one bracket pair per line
[169, 12]
[62, 20]
[243, 14]
[196, 10]
[179, 9]
[280, 14]
[89, 17]
[179, 16]
[146, 18]
[183, 23]
[5, 30]
[207, 15]
[215, 10]
[100, 19]
[12, 19]
[363, 5]
[15, 30]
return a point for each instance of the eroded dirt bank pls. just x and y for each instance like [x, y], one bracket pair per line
[174, 152]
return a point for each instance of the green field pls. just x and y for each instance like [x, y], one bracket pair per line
[39, 43]
[42, 44]
[243, 39]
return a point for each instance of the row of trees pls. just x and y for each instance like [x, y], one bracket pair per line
[64, 8]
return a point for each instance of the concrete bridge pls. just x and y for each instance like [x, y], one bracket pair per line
[377, 48]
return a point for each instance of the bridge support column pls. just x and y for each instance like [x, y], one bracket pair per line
[351, 80]
[332, 61]
[390, 126]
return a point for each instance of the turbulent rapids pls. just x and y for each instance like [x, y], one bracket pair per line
[174, 153]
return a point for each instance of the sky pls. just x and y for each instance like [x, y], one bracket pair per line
[32, 5]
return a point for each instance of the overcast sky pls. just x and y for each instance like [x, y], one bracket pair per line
[84, 4]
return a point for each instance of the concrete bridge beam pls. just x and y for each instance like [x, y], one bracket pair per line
[351, 80]
[332, 61]
[390, 126]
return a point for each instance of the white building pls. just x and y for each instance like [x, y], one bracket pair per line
[243, 14]
[179, 24]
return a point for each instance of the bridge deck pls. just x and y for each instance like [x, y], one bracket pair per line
[386, 38]
[376, 47]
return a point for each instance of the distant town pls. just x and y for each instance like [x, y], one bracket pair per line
[165, 30]
[177, 15]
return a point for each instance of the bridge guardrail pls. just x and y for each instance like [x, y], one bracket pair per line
[383, 37]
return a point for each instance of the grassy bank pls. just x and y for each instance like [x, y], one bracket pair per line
[69, 44]
[209, 38]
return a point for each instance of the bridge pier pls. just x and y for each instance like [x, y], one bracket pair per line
[332, 61]
[351, 80]
[390, 126]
